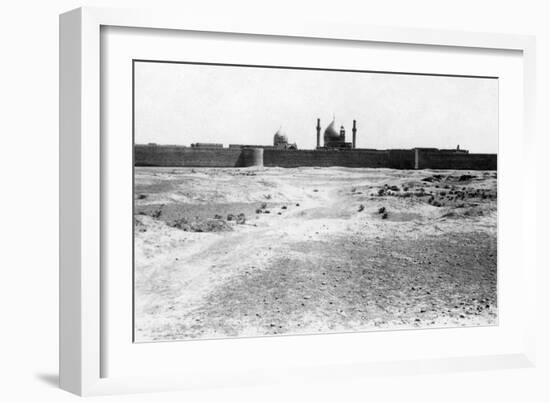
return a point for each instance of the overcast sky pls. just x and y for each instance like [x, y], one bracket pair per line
[183, 104]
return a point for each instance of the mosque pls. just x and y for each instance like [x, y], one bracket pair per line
[332, 139]
[280, 141]
[335, 151]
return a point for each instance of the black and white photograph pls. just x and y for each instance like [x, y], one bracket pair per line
[273, 200]
[298, 201]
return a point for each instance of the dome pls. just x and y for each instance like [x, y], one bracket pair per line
[331, 134]
[280, 137]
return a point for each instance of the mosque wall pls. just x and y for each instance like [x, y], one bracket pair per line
[178, 156]
[325, 158]
[173, 156]
[437, 159]
[401, 159]
[252, 157]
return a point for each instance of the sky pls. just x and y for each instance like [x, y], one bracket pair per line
[188, 103]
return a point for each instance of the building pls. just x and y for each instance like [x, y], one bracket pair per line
[335, 151]
[280, 141]
[333, 139]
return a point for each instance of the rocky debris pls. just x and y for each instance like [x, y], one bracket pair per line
[139, 226]
[263, 206]
[381, 210]
[384, 216]
[197, 225]
[141, 197]
[449, 178]
[361, 208]
[297, 204]
[241, 218]
[283, 207]
[445, 192]
[463, 178]
[316, 190]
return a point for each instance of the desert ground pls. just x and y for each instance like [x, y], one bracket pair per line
[234, 252]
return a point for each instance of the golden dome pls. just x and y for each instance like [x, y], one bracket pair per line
[331, 134]
[280, 137]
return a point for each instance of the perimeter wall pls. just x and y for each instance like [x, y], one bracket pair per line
[357, 158]
[451, 160]
[179, 156]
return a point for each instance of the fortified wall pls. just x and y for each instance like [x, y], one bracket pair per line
[443, 159]
[180, 156]
[352, 158]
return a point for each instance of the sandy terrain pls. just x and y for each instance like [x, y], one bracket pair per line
[263, 251]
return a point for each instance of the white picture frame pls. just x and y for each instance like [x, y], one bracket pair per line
[82, 346]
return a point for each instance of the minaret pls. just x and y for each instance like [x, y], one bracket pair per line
[318, 132]
[354, 131]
